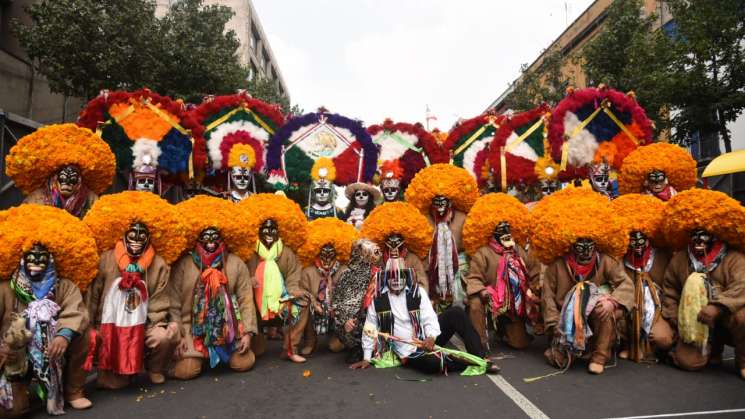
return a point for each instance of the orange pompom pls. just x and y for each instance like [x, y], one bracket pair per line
[401, 218]
[487, 213]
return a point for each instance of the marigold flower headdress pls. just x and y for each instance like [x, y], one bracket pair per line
[323, 231]
[713, 211]
[202, 211]
[446, 180]
[641, 213]
[562, 218]
[111, 216]
[401, 218]
[265, 206]
[67, 238]
[675, 161]
[39, 155]
[490, 210]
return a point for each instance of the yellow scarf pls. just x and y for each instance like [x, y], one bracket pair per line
[271, 285]
[692, 300]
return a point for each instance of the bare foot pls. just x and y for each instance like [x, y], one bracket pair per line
[595, 368]
[624, 354]
[296, 358]
[80, 404]
[742, 373]
[156, 378]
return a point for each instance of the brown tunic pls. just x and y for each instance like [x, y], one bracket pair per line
[456, 227]
[37, 197]
[659, 266]
[155, 277]
[288, 265]
[728, 281]
[311, 280]
[484, 265]
[181, 285]
[72, 315]
[412, 261]
[558, 280]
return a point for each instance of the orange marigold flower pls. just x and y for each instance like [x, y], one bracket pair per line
[110, 218]
[202, 211]
[401, 218]
[713, 211]
[675, 161]
[490, 210]
[446, 180]
[40, 154]
[287, 213]
[140, 121]
[562, 218]
[641, 213]
[66, 237]
[325, 231]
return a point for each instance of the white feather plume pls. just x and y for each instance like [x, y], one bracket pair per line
[582, 147]
[146, 153]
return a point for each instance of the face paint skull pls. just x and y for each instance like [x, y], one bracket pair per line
[656, 181]
[584, 250]
[390, 194]
[549, 186]
[136, 238]
[145, 182]
[702, 242]
[240, 178]
[68, 180]
[322, 195]
[36, 261]
[269, 233]
[327, 256]
[394, 243]
[503, 235]
[361, 198]
[441, 205]
[638, 243]
[210, 239]
[600, 178]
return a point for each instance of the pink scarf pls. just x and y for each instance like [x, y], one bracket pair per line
[509, 293]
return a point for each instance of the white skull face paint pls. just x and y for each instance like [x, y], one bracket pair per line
[322, 195]
[145, 183]
[240, 178]
[390, 194]
[361, 198]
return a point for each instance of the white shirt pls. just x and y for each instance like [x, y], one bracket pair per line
[402, 327]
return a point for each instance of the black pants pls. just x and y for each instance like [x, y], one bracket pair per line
[453, 320]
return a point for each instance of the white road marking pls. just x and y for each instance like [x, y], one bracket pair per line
[676, 415]
[518, 398]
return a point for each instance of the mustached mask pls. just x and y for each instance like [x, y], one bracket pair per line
[68, 180]
[656, 181]
[503, 235]
[638, 243]
[269, 233]
[36, 261]
[136, 239]
[701, 241]
[361, 198]
[583, 250]
[210, 238]
[327, 256]
[441, 205]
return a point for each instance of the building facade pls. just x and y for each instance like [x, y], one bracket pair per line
[255, 51]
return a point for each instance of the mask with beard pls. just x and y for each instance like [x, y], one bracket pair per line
[210, 239]
[36, 261]
[394, 243]
[638, 243]
[583, 250]
[136, 239]
[68, 180]
[327, 256]
[269, 233]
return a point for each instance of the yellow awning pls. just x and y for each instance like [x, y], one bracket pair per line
[726, 163]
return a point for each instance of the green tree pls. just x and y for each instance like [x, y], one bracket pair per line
[545, 84]
[709, 67]
[268, 91]
[83, 46]
[196, 56]
[631, 54]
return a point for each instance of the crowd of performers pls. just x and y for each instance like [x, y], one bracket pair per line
[567, 222]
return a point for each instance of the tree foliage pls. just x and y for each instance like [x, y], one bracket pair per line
[631, 54]
[546, 84]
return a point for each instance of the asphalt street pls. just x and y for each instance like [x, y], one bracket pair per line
[277, 388]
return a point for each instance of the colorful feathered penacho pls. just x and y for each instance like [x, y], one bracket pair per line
[136, 123]
[490, 210]
[401, 218]
[598, 107]
[68, 239]
[562, 218]
[671, 159]
[468, 143]
[304, 139]
[445, 180]
[325, 231]
[285, 212]
[201, 212]
[408, 146]
[40, 154]
[220, 123]
[110, 217]
[714, 211]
